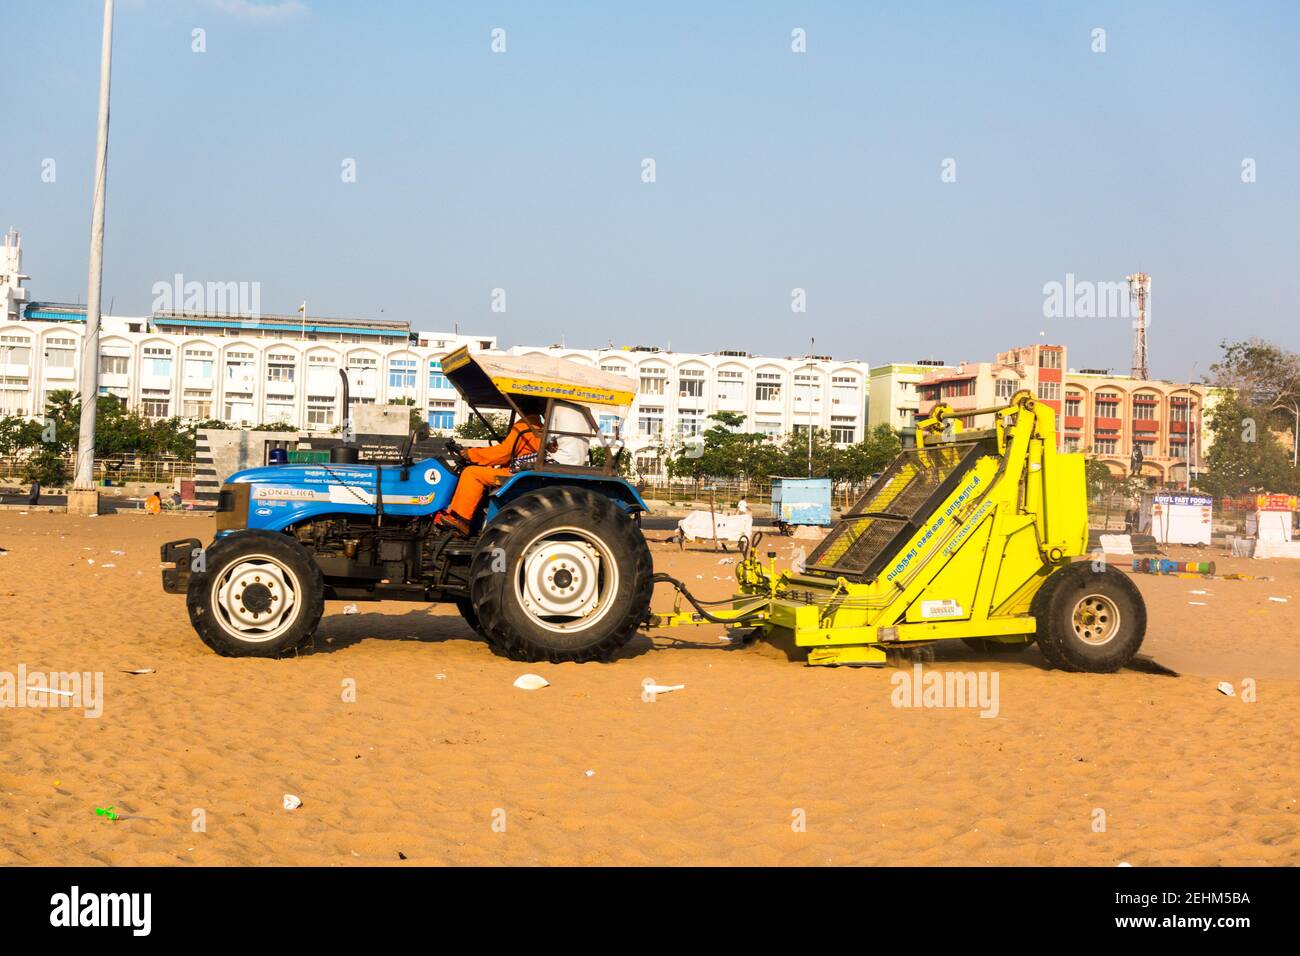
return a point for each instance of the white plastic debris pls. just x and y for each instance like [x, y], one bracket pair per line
[91, 561]
[350, 609]
[531, 682]
[1122, 863]
[291, 802]
[662, 688]
[589, 773]
[1278, 600]
[140, 670]
[1226, 689]
[1197, 603]
[1198, 591]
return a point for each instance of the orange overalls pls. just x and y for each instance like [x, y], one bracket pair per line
[491, 465]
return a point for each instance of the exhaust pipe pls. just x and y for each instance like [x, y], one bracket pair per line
[345, 453]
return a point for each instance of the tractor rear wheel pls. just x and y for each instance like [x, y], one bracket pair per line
[466, 608]
[561, 574]
[1089, 620]
[260, 594]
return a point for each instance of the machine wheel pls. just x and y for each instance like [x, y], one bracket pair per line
[561, 574]
[984, 645]
[259, 595]
[1089, 620]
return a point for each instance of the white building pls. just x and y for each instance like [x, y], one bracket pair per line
[678, 391]
[285, 368]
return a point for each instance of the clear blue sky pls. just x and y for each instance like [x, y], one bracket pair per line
[775, 170]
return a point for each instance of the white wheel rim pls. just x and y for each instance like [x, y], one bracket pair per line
[1096, 619]
[566, 580]
[256, 599]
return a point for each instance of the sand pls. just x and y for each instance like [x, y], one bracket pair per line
[757, 761]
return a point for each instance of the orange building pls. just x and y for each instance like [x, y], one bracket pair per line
[1104, 415]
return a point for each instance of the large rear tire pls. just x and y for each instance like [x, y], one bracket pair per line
[1089, 620]
[561, 574]
[260, 594]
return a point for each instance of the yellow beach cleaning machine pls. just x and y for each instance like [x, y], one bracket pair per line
[972, 535]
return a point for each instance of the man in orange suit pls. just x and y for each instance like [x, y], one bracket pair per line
[487, 468]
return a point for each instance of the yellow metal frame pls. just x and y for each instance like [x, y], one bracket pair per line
[971, 569]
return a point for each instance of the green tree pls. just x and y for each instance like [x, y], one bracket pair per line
[868, 457]
[474, 429]
[598, 455]
[18, 434]
[48, 466]
[1246, 455]
[1263, 382]
[723, 450]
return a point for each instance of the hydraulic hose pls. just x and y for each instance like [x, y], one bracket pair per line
[660, 577]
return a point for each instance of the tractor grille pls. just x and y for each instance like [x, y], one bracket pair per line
[893, 508]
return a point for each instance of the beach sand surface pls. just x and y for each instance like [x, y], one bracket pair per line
[758, 760]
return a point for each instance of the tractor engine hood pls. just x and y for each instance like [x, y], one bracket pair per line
[279, 496]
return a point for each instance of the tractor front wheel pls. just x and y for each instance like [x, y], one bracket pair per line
[1090, 620]
[561, 574]
[260, 594]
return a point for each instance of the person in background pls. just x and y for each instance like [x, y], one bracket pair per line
[34, 496]
[570, 449]
[153, 504]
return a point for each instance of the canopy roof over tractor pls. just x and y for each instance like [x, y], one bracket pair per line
[530, 381]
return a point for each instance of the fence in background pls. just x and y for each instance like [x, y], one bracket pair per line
[757, 492]
[150, 470]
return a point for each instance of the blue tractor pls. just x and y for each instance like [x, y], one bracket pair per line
[554, 566]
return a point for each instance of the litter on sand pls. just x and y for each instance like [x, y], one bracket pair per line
[531, 682]
[1198, 591]
[1226, 689]
[350, 609]
[1278, 600]
[50, 690]
[291, 802]
[140, 670]
[662, 688]
[589, 773]
[1197, 603]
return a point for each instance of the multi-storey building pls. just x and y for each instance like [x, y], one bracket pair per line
[893, 398]
[1104, 415]
[241, 374]
[266, 369]
[678, 391]
[970, 385]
